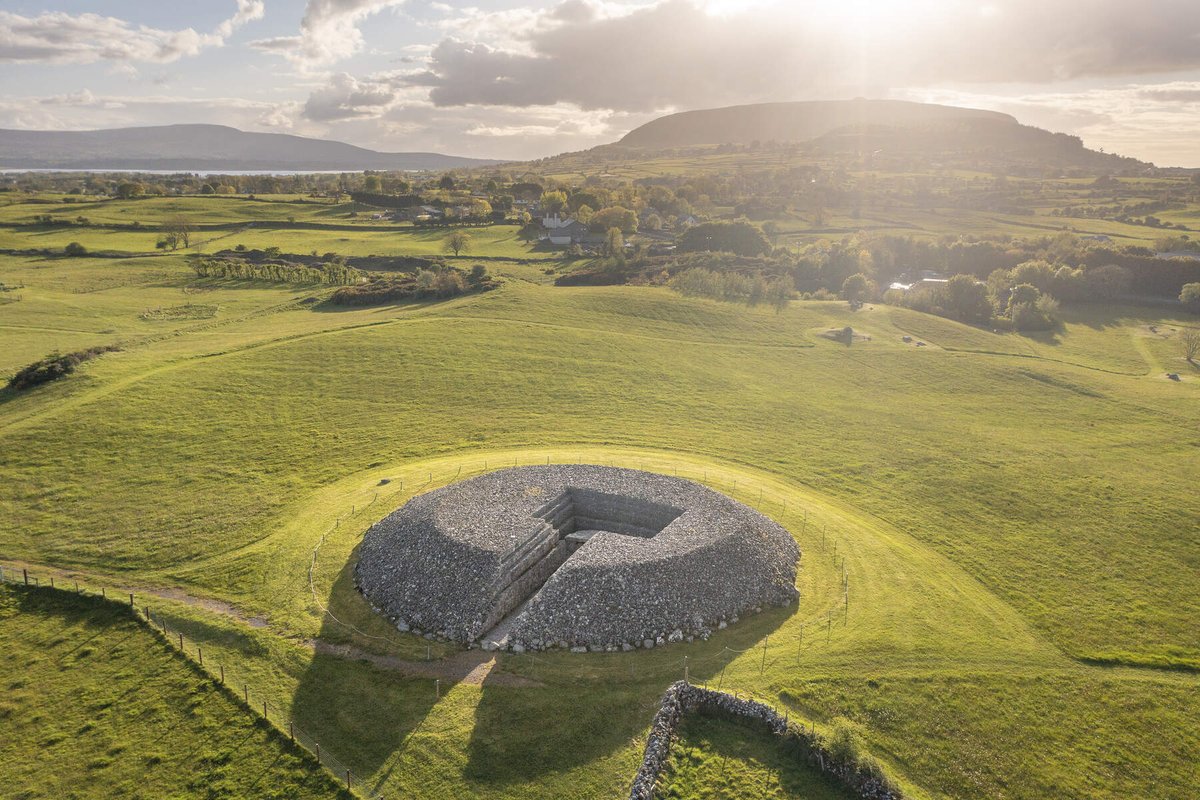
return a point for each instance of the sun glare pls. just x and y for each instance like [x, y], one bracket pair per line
[864, 19]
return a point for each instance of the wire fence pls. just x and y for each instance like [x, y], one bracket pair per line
[255, 702]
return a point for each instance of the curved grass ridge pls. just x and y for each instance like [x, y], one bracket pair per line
[859, 773]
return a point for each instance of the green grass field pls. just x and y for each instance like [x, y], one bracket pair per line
[96, 706]
[1016, 516]
[716, 759]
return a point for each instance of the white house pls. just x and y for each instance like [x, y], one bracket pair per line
[553, 221]
[571, 233]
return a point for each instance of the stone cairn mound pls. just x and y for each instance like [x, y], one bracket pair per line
[574, 556]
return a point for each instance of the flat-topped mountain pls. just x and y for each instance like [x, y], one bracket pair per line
[891, 127]
[202, 147]
[795, 122]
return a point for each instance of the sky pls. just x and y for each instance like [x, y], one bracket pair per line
[513, 80]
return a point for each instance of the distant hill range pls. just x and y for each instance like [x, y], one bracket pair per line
[208, 148]
[892, 127]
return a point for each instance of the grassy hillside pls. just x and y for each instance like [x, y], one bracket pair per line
[95, 706]
[1010, 511]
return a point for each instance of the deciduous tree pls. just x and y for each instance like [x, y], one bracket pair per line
[458, 242]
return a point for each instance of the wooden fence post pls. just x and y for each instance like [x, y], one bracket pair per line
[292, 731]
[25, 572]
[246, 692]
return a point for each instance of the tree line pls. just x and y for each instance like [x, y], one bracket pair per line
[333, 273]
[735, 287]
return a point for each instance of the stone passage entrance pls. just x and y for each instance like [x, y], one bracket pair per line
[579, 514]
[561, 527]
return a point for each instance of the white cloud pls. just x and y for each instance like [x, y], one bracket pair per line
[693, 54]
[551, 76]
[347, 97]
[329, 31]
[1154, 122]
[57, 37]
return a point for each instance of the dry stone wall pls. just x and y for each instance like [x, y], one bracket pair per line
[682, 698]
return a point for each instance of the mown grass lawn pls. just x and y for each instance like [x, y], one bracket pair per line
[1006, 508]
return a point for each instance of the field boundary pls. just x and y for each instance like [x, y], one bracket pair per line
[863, 777]
[278, 722]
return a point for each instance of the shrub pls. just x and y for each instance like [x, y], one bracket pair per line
[53, 367]
[445, 282]
[856, 288]
[734, 287]
[964, 298]
[1024, 294]
[740, 238]
[1039, 315]
[75, 249]
[843, 742]
[449, 283]
[1190, 296]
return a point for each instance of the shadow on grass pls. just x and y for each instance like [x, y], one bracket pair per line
[537, 715]
[359, 712]
[590, 705]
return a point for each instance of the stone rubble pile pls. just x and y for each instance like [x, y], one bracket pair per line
[589, 558]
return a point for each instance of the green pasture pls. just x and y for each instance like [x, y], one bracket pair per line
[210, 209]
[1014, 517]
[95, 706]
[492, 240]
[715, 759]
